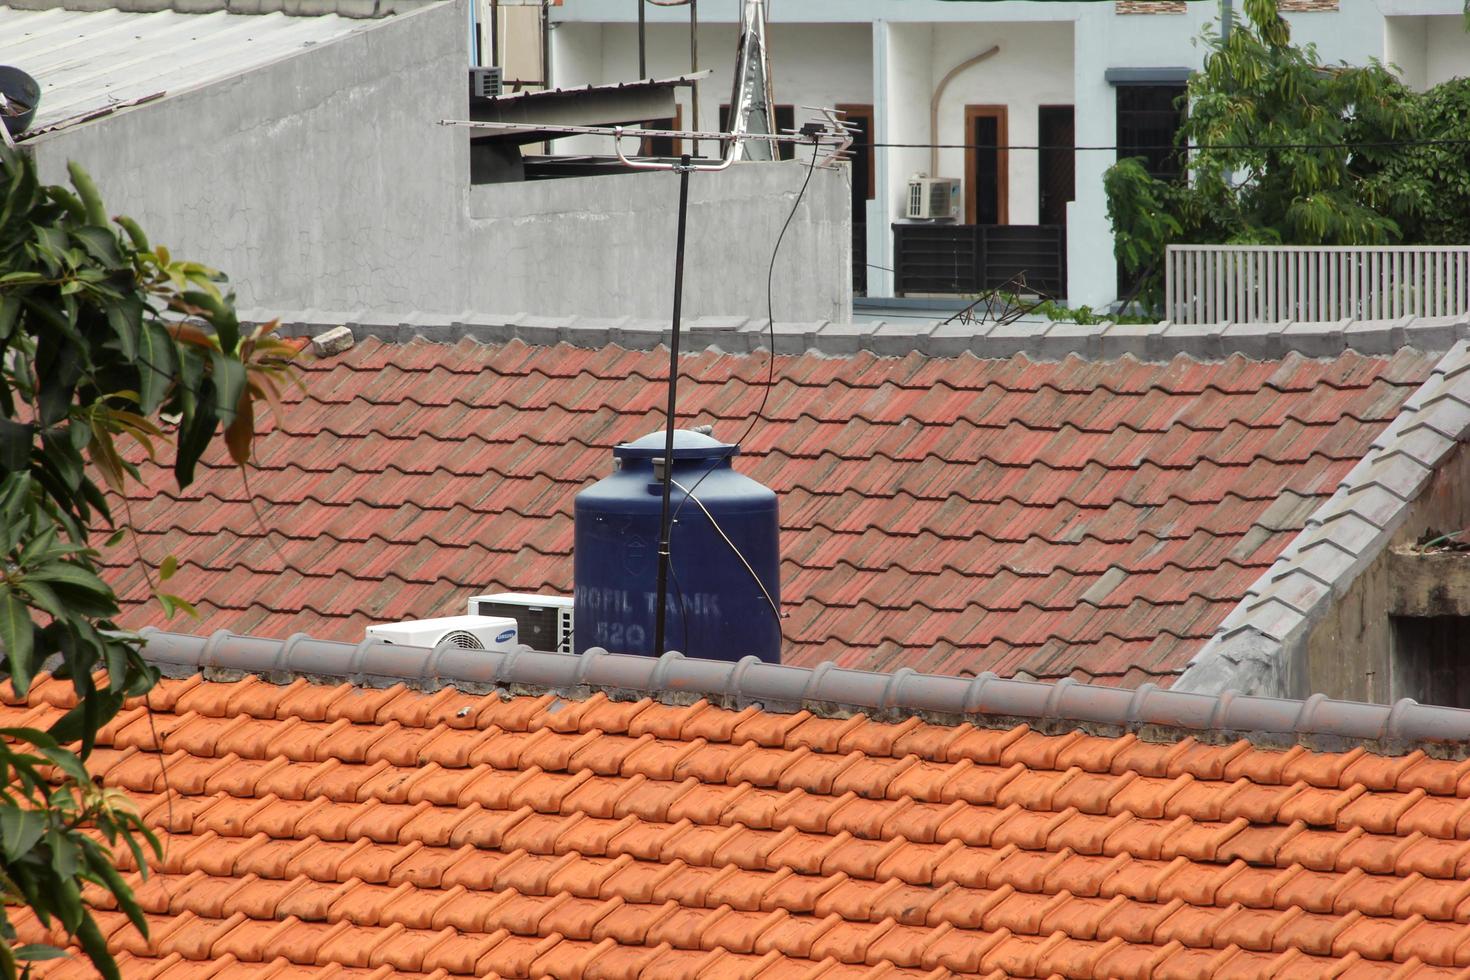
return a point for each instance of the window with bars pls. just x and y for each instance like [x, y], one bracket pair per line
[1149, 116]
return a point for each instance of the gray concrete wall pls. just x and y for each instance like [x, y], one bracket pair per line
[1351, 653]
[324, 182]
[605, 245]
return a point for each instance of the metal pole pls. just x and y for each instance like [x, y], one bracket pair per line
[694, 66]
[1226, 16]
[668, 481]
[495, 32]
[642, 44]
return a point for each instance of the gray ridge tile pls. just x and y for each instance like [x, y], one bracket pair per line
[1297, 589]
[1262, 341]
[1422, 444]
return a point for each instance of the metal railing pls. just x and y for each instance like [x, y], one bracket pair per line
[1270, 283]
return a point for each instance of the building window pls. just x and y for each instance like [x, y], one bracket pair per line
[664, 146]
[1149, 116]
[1431, 661]
[1057, 179]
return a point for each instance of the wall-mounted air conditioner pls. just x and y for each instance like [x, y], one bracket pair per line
[933, 198]
[544, 621]
[485, 82]
[465, 632]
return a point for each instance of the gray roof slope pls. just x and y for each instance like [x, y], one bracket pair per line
[92, 63]
[1340, 540]
[1050, 341]
[294, 8]
[987, 700]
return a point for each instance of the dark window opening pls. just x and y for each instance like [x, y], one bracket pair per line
[1056, 184]
[1431, 661]
[860, 118]
[1149, 117]
[663, 146]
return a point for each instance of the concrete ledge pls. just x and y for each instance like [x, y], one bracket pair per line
[1429, 584]
[937, 338]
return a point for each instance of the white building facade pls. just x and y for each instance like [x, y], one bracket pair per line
[1056, 79]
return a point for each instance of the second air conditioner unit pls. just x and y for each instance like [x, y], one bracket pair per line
[544, 621]
[933, 198]
[465, 632]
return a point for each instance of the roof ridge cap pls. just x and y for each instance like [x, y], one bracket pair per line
[1055, 341]
[1252, 643]
[988, 700]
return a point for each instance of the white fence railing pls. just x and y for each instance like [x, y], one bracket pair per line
[1269, 283]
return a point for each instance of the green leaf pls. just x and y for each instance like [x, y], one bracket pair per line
[157, 362]
[167, 569]
[115, 538]
[19, 830]
[15, 445]
[229, 382]
[37, 952]
[87, 191]
[16, 636]
[95, 946]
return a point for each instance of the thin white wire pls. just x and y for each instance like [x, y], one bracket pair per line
[721, 532]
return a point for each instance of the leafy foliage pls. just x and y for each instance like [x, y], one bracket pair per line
[102, 336]
[1284, 149]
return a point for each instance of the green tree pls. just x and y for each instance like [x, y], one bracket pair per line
[104, 339]
[1284, 149]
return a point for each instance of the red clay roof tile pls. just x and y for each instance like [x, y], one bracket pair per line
[954, 515]
[607, 838]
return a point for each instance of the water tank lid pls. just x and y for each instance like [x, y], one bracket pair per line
[687, 445]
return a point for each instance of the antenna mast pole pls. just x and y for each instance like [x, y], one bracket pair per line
[668, 477]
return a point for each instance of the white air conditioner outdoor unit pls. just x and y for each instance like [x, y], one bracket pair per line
[465, 632]
[544, 621]
[934, 198]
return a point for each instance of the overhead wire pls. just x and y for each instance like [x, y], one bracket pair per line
[1146, 148]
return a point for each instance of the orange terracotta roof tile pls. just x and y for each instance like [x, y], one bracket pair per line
[953, 515]
[331, 831]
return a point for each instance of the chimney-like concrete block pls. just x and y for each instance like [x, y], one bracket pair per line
[334, 341]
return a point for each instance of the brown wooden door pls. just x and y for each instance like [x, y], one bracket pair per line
[987, 166]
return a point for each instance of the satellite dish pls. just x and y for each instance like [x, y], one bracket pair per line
[22, 95]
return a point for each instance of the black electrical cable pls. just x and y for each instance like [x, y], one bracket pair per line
[770, 380]
[771, 332]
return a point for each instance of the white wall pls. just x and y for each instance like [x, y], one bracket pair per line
[1427, 50]
[1051, 54]
[1033, 68]
[324, 182]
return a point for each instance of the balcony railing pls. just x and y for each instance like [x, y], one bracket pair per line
[965, 259]
[1268, 283]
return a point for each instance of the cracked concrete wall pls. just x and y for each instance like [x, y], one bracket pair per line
[608, 244]
[323, 181]
[318, 181]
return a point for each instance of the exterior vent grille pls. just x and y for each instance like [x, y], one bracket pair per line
[463, 639]
[485, 82]
[544, 622]
[934, 198]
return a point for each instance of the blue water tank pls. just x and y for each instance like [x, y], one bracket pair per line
[717, 608]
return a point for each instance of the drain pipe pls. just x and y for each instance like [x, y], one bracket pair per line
[934, 105]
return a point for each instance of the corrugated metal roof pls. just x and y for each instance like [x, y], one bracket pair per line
[644, 83]
[92, 62]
